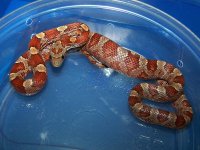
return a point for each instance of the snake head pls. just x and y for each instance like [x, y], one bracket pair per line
[57, 54]
[56, 61]
[73, 35]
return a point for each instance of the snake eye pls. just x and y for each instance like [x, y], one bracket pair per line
[63, 56]
[50, 57]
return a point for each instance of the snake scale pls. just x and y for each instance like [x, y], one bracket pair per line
[52, 45]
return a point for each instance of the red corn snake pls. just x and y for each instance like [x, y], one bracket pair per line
[53, 44]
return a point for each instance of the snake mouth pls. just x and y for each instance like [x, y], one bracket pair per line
[57, 62]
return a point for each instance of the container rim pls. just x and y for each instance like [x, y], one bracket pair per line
[192, 37]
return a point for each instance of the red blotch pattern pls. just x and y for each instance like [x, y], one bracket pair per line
[152, 66]
[171, 91]
[36, 60]
[50, 34]
[162, 116]
[40, 79]
[109, 49]
[132, 100]
[144, 111]
[180, 121]
[132, 63]
[169, 67]
[18, 82]
[35, 42]
[17, 67]
[95, 40]
[179, 79]
[65, 40]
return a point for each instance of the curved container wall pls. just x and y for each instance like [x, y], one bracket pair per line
[82, 106]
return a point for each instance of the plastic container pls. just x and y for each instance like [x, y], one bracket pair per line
[82, 106]
[3, 6]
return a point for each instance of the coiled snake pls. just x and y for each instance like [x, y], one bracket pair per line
[53, 45]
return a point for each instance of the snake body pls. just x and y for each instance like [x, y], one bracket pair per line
[48, 45]
[103, 52]
[169, 86]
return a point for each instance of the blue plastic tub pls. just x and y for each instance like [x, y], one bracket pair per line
[82, 106]
[7, 6]
[3, 6]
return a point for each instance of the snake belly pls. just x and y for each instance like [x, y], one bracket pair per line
[168, 88]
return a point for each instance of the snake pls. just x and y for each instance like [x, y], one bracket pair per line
[103, 52]
[29, 73]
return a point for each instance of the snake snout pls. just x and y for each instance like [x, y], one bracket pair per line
[57, 62]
